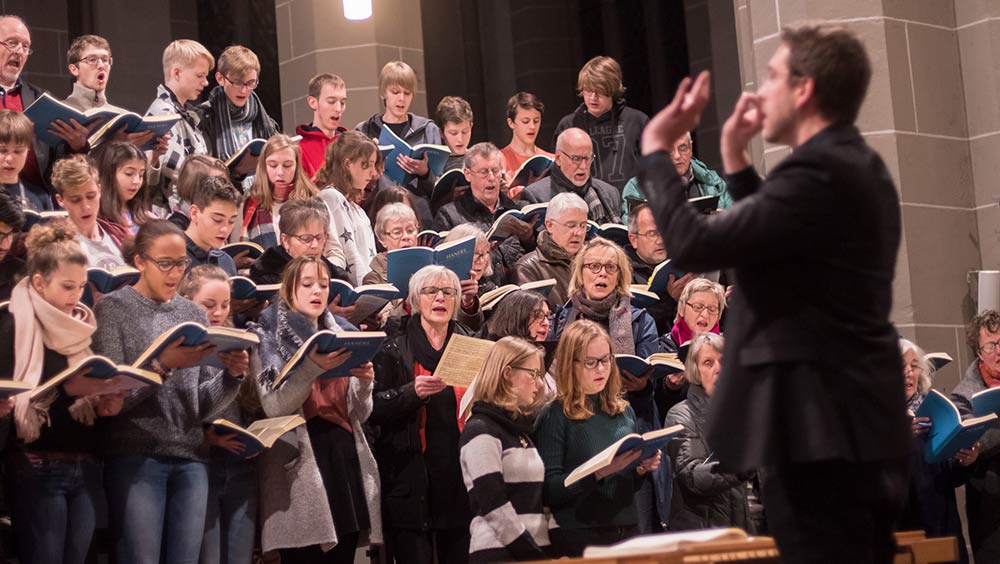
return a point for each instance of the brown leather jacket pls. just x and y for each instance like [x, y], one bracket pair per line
[548, 260]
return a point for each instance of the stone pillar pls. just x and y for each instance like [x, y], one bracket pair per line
[314, 37]
[931, 113]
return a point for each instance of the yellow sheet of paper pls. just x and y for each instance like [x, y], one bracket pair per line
[462, 359]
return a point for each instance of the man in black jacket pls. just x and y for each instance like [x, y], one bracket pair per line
[812, 392]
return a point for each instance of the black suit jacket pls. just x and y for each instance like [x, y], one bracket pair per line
[812, 369]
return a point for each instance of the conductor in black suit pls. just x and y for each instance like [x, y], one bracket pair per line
[812, 393]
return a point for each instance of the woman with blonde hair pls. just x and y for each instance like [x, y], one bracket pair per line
[279, 178]
[501, 467]
[53, 461]
[349, 166]
[588, 415]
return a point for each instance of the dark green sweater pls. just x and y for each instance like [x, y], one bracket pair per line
[563, 445]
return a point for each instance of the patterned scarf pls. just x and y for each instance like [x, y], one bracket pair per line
[990, 378]
[258, 224]
[225, 114]
[615, 311]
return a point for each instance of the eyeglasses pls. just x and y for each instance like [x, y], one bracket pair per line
[595, 267]
[683, 149]
[166, 265]
[397, 234]
[15, 45]
[5, 236]
[251, 84]
[539, 314]
[432, 291]
[988, 348]
[698, 308]
[535, 373]
[308, 239]
[593, 363]
[480, 256]
[651, 234]
[94, 59]
[578, 160]
[488, 172]
[572, 226]
[914, 368]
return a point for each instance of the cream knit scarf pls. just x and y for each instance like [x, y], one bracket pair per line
[39, 325]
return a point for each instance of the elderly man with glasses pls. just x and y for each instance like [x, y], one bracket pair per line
[560, 241]
[483, 204]
[571, 173]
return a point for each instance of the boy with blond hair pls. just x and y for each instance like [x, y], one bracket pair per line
[328, 100]
[396, 85]
[233, 114]
[186, 64]
[614, 128]
[16, 137]
[79, 193]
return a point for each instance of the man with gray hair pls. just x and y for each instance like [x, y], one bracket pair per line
[482, 204]
[699, 179]
[571, 173]
[560, 241]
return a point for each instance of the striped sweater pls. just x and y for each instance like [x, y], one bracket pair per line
[504, 476]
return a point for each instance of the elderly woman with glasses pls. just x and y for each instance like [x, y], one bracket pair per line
[415, 415]
[588, 415]
[703, 495]
[599, 291]
[396, 227]
[931, 505]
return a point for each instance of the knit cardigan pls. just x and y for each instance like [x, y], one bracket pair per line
[505, 478]
[293, 507]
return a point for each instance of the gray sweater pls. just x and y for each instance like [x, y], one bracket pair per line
[165, 420]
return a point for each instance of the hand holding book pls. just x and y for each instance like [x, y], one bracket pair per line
[329, 361]
[618, 463]
[176, 355]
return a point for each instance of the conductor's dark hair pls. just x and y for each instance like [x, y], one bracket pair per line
[837, 62]
[989, 320]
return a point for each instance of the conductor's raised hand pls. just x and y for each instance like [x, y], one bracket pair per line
[679, 117]
[745, 122]
[329, 361]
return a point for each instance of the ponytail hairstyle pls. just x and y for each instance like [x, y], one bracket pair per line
[262, 191]
[143, 240]
[351, 146]
[110, 156]
[51, 245]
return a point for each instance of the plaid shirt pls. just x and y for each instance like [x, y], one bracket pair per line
[185, 140]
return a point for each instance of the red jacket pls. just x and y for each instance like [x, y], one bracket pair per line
[313, 146]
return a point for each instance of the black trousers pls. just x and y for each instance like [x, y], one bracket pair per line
[835, 511]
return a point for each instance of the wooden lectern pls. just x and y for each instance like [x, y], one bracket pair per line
[913, 548]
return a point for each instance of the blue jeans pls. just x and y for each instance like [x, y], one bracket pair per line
[157, 508]
[231, 516]
[53, 507]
